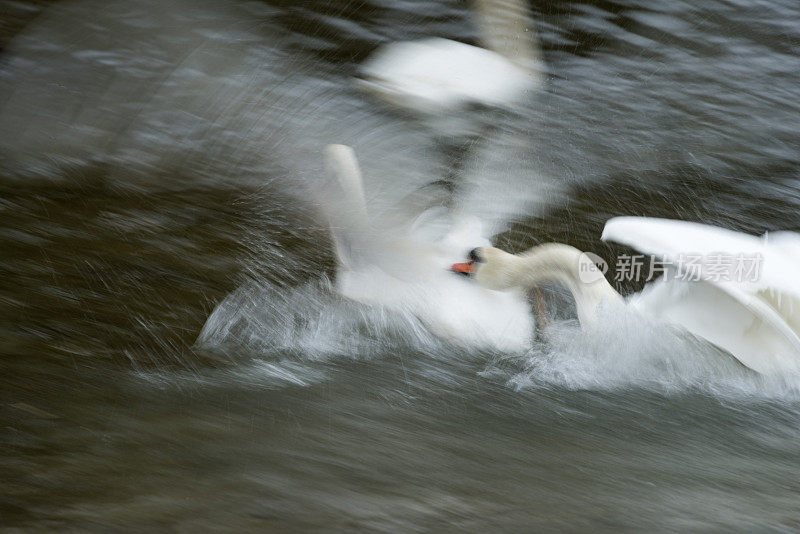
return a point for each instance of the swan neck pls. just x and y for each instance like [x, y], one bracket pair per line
[567, 266]
[505, 27]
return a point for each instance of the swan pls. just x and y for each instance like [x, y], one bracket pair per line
[407, 271]
[755, 320]
[437, 76]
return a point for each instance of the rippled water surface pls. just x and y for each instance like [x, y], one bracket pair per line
[174, 357]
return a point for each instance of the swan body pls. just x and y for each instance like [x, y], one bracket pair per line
[407, 271]
[758, 321]
[439, 76]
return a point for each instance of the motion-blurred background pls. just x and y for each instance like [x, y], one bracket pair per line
[159, 158]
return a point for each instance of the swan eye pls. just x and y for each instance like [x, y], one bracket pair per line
[473, 256]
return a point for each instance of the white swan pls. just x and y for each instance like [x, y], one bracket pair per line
[439, 76]
[757, 321]
[407, 271]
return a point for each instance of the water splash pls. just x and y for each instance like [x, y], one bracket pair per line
[632, 351]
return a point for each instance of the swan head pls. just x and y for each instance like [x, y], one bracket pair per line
[490, 267]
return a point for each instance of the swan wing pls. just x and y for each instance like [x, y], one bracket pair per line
[342, 165]
[738, 322]
[350, 219]
[667, 239]
[765, 266]
[757, 319]
[773, 258]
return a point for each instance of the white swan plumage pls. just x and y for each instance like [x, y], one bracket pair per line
[755, 316]
[757, 321]
[437, 76]
[407, 271]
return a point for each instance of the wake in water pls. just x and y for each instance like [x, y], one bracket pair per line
[388, 299]
[277, 336]
[309, 322]
[292, 336]
[628, 350]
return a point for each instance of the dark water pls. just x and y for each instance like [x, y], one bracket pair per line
[158, 159]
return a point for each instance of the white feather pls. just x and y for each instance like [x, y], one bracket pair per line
[407, 270]
[439, 76]
[756, 320]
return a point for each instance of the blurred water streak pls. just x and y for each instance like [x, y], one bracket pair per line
[156, 157]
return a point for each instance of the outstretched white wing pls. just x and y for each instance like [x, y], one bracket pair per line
[754, 314]
[348, 215]
[667, 239]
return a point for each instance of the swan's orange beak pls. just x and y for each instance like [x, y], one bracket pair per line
[463, 268]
